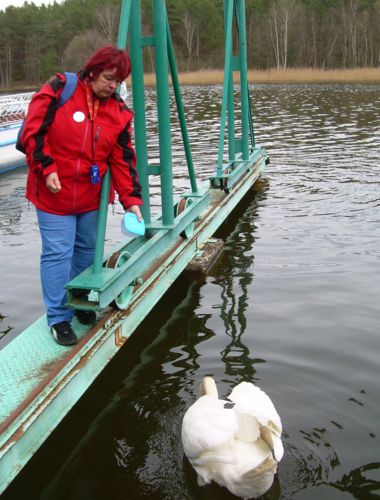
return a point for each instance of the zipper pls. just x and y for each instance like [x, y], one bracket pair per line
[78, 165]
[95, 142]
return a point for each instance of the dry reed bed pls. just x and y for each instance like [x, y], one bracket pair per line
[204, 77]
[282, 76]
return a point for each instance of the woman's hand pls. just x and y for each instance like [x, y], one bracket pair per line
[135, 209]
[52, 182]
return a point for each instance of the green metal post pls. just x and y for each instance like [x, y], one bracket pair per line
[181, 111]
[139, 105]
[162, 70]
[243, 78]
[226, 82]
[123, 24]
[251, 128]
[231, 103]
[102, 223]
[104, 194]
[231, 119]
[250, 116]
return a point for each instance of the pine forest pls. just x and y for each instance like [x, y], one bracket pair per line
[38, 41]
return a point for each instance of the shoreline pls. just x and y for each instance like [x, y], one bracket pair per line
[270, 76]
[280, 76]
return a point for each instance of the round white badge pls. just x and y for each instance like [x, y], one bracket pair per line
[78, 116]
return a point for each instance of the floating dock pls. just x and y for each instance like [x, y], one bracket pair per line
[40, 381]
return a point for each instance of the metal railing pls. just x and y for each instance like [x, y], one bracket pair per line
[13, 107]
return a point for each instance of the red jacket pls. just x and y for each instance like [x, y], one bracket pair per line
[66, 141]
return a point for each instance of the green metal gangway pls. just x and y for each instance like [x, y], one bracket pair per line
[40, 381]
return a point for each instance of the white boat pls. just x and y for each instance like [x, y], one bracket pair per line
[10, 158]
[12, 112]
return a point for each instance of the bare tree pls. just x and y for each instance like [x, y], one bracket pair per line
[274, 32]
[279, 19]
[107, 18]
[189, 35]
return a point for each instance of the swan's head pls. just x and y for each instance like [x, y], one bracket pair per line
[208, 388]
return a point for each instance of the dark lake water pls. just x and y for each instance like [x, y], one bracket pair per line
[292, 305]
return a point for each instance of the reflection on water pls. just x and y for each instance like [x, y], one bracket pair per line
[234, 283]
[292, 304]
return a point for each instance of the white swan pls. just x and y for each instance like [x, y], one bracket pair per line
[236, 443]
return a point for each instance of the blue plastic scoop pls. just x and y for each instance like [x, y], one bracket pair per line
[131, 226]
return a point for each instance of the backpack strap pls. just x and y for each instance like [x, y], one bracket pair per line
[69, 88]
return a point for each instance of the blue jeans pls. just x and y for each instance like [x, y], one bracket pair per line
[68, 246]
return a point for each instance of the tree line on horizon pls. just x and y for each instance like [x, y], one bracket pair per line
[38, 41]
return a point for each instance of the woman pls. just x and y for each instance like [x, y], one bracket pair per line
[69, 149]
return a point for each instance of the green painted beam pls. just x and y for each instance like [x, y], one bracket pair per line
[180, 110]
[163, 109]
[227, 83]
[138, 94]
[147, 41]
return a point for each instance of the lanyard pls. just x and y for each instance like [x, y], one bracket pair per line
[92, 112]
[92, 106]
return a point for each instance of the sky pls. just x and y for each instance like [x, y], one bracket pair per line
[18, 3]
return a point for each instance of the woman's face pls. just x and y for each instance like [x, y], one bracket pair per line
[106, 83]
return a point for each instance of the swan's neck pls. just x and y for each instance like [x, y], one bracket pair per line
[208, 387]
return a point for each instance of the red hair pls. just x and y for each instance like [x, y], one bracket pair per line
[109, 57]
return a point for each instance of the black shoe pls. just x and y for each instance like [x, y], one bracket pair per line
[63, 333]
[86, 317]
